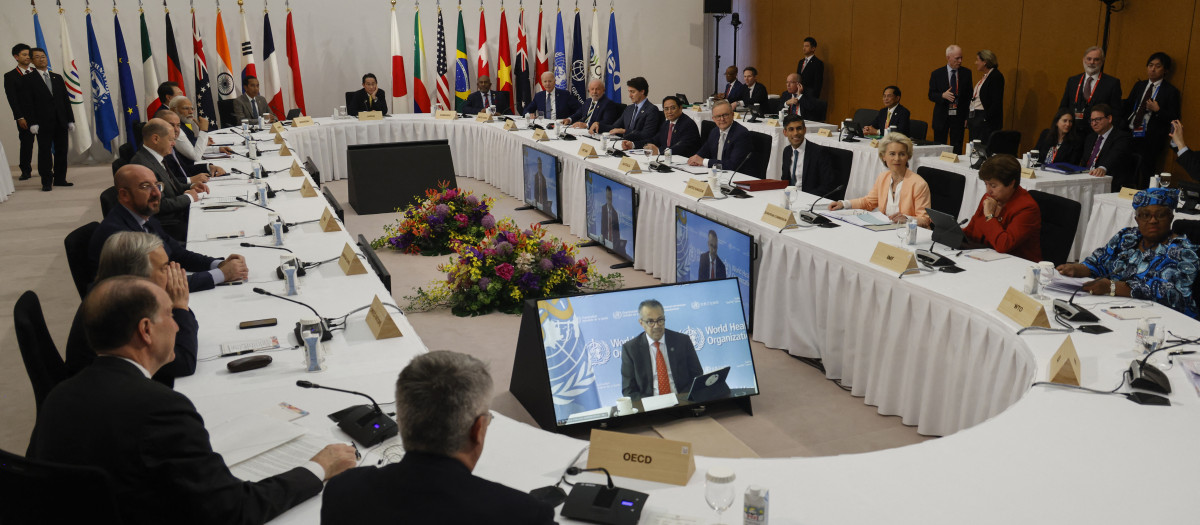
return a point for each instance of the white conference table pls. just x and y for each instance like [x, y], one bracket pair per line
[937, 354]
[6, 182]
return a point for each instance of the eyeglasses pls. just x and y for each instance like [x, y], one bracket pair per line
[1097, 119]
[722, 116]
[655, 322]
[1161, 216]
[145, 186]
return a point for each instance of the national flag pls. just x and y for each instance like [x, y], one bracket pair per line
[595, 62]
[573, 387]
[560, 55]
[270, 84]
[485, 67]
[39, 38]
[293, 58]
[204, 98]
[420, 92]
[612, 70]
[149, 72]
[129, 100]
[542, 63]
[462, 71]
[226, 84]
[578, 70]
[523, 93]
[399, 82]
[174, 70]
[503, 62]
[443, 88]
[247, 51]
[81, 138]
[106, 120]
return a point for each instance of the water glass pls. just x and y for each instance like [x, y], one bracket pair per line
[718, 489]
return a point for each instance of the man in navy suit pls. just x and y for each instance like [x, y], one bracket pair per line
[12, 89]
[1108, 149]
[597, 108]
[950, 90]
[369, 98]
[677, 133]
[892, 114]
[711, 265]
[47, 110]
[755, 93]
[657, 361]
[734, 90]
[796, 100]
[805, 164]
[1090, 88]
[554, 104]
[729, 144]
[480, 100]
[641, 118]
[811, 69]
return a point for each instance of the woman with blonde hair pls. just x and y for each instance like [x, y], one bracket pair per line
[898, 192]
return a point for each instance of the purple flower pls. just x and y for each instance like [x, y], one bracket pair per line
[529, 281]
[562, 259]
[472, 200]
[528, 233]
[505, 271]
[483, 283]
[436, 220]
[441, 210]
[488, 221]
[546, 264]
[504, 248]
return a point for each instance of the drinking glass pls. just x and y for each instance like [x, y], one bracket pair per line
[1045, 277]
[718, 490]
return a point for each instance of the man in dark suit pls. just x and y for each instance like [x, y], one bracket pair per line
[729, 143]
[553, 103]
[1107, 149]
[541, 192]
[677, 132]
[479, 101]
[734, 90]
[179, 191]
[442, 410]
[12, 89]
[950, 90]
[148, 438]
[811, 69]
[805, 164]
[182, 164]
[610, 222]
[657, 361]
[1090, 88]
[1151, 107]
[1189, 160]
[251, 105]
[755, 93]
[369, 98]
[597, 108]
[796, 100]
[47, 110]
[640, 120]
[167, 91]
[892, 114]
[711, 266]
[139, 197]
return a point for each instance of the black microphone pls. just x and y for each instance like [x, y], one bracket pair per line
[248, 245]
[326, 334]
[1073, 312]
[575, 471]
[366, 424]
[739, 168]
[243, 199]
[730, 189]
[813, 217]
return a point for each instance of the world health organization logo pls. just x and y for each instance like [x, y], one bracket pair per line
[598, 352]
[697, 337]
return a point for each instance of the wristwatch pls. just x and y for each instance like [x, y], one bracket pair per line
[990, 216]
[1112, 287]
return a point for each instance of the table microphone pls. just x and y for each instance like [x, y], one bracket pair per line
[1073, 312]
[366, 424]
[243, 199]
[249, 245]
[326, 334]
[813, 217]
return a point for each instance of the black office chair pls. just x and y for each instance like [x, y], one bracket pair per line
[43, 363]
[313, 172]
[1060, 218]
[818, 113]
[108, 200]
[918, 129]
[1134, 165]
[124, 156]
[864, 116]
[76, 244]
[843, 162]
[385, 276]
[945, 189]
[293, 113]
[706, 127]
[757, 165]
[1004, 141]
[34, 490]
[350, 103]
[225, 111]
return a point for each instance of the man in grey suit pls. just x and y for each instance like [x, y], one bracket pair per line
[658, 361]
[158, 141]
[250, 105]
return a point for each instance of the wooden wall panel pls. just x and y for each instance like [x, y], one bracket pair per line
[872, 66]
[986, 24]
[926, 28]
[831, 25]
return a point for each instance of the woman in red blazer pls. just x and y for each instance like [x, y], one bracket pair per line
[1007, 220]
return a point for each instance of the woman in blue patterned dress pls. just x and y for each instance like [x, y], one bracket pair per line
[1147, 261]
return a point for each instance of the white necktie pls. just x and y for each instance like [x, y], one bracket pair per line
[721, 146]
[46, 77]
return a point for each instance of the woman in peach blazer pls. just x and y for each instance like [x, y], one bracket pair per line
[899, 191]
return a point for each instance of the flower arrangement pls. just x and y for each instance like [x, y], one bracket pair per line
[446, 215]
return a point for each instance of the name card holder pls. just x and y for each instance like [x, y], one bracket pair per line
[1023, 309]
[773, 122]
[1064, 366]
[446, 114]
[278, 138]
[874, 143]
[300, 122]
[370, 115]
[779, 217]
[349, 263]
[284, 151]
[948, 156]
[329, 223]
[540, 135]
[824, 132]
[295, 170]
[380, 322]
[307, 189]
[893, 258]
[698, 189]
[1028, 173]
[277, 127]
[642, 457]
[587, 151]
[483, 116]
[510, 125]
[1127, 193]
[629, 166]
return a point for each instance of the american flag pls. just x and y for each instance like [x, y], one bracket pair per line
[443, 88]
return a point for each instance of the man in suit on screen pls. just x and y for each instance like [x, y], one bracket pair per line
[711, 265]
[610, 222]
[541, 194]
[658, 361]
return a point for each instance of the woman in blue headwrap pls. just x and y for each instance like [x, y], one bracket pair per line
[1147, 261]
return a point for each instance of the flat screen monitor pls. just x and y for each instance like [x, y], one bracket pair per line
[706, 249]
[611, 213]
[542, 188]
[389, 176]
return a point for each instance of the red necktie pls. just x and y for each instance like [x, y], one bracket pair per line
[670, 130]
[804, 65]
[487, 100]
[660, 367]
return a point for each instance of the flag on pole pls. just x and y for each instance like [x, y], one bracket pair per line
[106, 120]
[204, 98]
[174, 71]
[149, 72]
[247, 50]
[560, 55]
[420, 92]
[484, 66]
[270, 84]
[595, 62]
[39, 38]
[503, 62]
[612, 70]
[578, 70]
[462, 71]
[524, 95]
[129, 100]
[81, 138]
[443, 88]
[226, 84]
[542, 62]
[293, 58]
[399, 82]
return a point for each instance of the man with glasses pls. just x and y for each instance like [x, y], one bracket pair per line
[677, 133]
[140, 196]
[179, 189]
[1107, 149]
[658, 361]
[728, 145]
[796, 101]
[597, 108]
[185, 163]
[442, 402]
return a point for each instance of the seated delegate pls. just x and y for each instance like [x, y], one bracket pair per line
[899, 192]
[1007, 219]
[369, 98]
[1059, 143]
[1146, 261]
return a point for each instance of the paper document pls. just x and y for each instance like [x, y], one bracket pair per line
[659, 402]
[1063, 284]
[280, 459]
[694, 170]
[244, 437]
[987, 255]
[1125, 314]
[860, 217]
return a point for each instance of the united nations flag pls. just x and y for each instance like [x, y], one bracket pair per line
[572, 379]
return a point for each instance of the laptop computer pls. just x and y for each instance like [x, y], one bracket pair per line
[710, 386]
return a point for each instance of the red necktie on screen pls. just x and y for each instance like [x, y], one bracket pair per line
[660, 366]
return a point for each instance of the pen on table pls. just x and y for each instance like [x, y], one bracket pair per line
[1120, 307]
[1183, 352]
[357, 455]
[231, 283]
[234, 236]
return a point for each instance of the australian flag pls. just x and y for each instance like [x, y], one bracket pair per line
[106, 120]
[572, 379]
[204, 96]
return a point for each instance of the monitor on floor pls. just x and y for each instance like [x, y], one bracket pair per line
[542, 188]
[611, 213]
[706, 249]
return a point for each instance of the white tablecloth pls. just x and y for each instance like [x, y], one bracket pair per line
[1109, 214]
[6, 182]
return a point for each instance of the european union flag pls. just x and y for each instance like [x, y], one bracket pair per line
[106, 120]
[128, 94]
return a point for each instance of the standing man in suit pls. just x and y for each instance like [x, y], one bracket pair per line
[797, 101]
[734, 90]
[442, 410]
[711, 265]
[950, 92]
[677, 132]
[597, 108]
[892, 114]
[1090, 88]
[806, 165]
[553, 104]
[811, 69]
[755, 93]
[47, 110]
[1150, 108]
[484, 98]
[149, 438]
[1107, 149]
[986, 112]
[251, 105]
[728, 145]
[641, 119]
[369, 98]
[12, 88]
[657, 361]
[610, 221]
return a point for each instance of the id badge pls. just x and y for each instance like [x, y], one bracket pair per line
[1139, 132]
[952, 112]
[1079, 115]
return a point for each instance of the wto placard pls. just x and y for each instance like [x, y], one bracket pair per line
[1023, 309]
[300, 122]
[641, 457]
[370, 115]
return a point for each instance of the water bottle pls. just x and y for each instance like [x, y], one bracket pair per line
[787, 197]
[252, 149]
[755, 504]
[261, 123]
[911, 231]
[289, 273]
[246, 127]
[262, 194]
[782, 114]
[313, 360]
[1032, 278]
[257, 170]
[277, 231]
